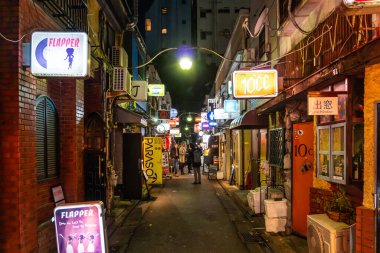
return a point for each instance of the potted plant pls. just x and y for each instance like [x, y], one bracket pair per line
[339, 208]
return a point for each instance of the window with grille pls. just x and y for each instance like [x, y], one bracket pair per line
[46, 138]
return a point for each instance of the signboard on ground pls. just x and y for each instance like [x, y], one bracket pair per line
[79, 227]
[152, 151]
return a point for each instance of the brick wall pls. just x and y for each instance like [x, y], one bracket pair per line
[365, 234]
[318, 200]
[27, 205]
[14, 235]
[92, 98]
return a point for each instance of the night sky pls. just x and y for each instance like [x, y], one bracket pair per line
[187, 88]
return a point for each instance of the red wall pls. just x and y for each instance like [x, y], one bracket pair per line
[27, 205]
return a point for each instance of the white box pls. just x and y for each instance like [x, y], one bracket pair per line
[276, 209]
[219, 175]
[275, 225]
[255, 201]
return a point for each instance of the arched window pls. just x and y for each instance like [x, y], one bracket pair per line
[47, 138]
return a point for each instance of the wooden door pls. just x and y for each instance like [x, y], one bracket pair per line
[302, 174]
[132, 173]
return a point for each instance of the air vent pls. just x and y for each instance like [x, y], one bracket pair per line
[119, 57]
[121, 80]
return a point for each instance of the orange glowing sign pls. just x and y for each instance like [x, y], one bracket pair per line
[255, 83]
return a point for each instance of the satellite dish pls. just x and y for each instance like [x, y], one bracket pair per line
[260, 22]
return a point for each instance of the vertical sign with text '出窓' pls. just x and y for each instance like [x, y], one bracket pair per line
[59, 54]
[153, 159]
[255, 83]
[79, 227]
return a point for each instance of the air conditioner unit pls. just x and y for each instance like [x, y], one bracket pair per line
[119, 57]
[121, 80]
[327, 236]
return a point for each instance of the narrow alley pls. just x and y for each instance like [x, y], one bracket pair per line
[183, 217]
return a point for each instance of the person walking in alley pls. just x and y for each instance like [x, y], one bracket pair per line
[197, 156]
[182, 157]
[174, 155]
[189, 157]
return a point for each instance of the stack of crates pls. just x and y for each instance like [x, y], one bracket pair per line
[275, 215]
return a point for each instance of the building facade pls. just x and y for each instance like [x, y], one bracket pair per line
[317, 47]
[58, 131]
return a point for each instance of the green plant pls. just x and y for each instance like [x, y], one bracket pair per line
[339, 202]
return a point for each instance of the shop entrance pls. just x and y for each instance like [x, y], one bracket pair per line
[94, 159]
[303, 157]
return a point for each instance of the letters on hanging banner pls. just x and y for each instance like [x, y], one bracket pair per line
[139, 90]
[156, 90]
[220, 114]
[255, 83]
[152, 147]
[322, 103]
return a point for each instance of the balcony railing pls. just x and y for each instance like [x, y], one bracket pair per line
[69, 14]
[337, 36]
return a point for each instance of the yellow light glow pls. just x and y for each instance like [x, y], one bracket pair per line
[185, 63]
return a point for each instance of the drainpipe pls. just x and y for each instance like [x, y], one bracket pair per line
[243, 162]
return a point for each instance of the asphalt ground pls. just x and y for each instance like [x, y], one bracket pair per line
[182, 217]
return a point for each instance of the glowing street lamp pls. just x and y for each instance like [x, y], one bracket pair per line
[189, 118]
[185, 63]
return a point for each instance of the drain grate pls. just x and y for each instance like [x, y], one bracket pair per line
[250, 237]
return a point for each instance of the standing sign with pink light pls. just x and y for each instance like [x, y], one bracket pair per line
[79, 227]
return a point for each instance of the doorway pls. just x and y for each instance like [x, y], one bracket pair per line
[132, 172]
[302, 176]
[94, 159]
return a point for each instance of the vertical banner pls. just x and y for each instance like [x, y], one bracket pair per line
[153, 159]
[79, 227]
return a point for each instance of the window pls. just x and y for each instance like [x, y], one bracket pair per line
[164, 31]
[203, 12]
[331, 147]
[204, 34]
[46, 138]
[148, 24]
[224, 10]
[164, 10]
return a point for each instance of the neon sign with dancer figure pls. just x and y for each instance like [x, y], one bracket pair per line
[59, 54]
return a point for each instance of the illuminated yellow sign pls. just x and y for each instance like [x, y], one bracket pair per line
[156, 90]
[255, 83]
[153, 159]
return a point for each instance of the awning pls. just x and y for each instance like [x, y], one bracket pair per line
[250, 120]
[128, 117]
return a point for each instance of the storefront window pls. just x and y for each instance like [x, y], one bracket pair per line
[324, 151]
[332, 153]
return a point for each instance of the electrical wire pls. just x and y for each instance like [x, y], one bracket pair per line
[192, 48]
[291, 17]
[292, 52]
[22, 37]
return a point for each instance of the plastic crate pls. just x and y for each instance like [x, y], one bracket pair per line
[275, 225]
[276, 209]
